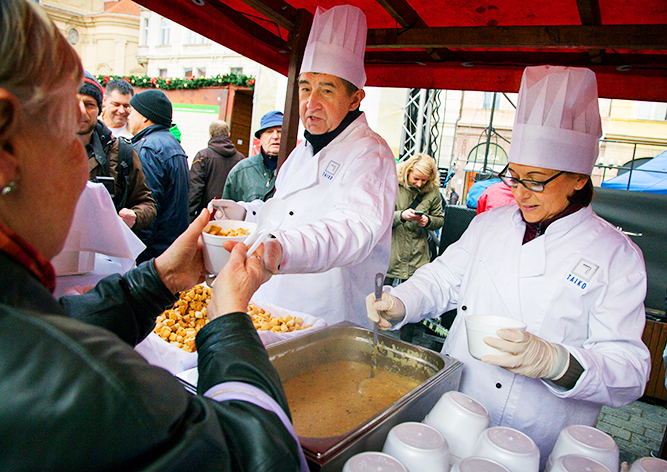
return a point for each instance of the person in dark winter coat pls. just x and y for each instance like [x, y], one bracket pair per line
[211, 166]
[81, 396]
[114, 157]
[165, 166]
[255, 177]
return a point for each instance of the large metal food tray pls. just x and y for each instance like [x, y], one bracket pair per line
[345, 341]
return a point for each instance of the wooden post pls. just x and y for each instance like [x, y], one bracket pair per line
[297, 43]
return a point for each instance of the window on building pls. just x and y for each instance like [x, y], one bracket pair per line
[162, 73]
[201, 72]
[488, 100]
[164, 31]
[144, 32]
[652, 111]
[196, 38]
[236, 70]
[187, 72]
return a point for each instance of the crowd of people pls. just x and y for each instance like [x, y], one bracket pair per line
[69, 369]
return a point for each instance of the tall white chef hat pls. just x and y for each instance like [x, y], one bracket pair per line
[557, 122]
[337, 43]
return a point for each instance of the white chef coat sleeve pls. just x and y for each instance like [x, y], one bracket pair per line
[434, 288]
[251, 209]
[615, 360]
[362, 211]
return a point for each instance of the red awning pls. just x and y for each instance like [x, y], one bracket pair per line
[455, 44]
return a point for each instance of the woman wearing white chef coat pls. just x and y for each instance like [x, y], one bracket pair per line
[575, 280]
[340, 184]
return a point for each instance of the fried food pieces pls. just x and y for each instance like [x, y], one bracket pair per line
[179, 324]
[218, 231]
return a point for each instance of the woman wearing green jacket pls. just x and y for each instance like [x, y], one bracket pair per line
[418, 209]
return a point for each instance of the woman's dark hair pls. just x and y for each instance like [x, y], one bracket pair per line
[584, 196]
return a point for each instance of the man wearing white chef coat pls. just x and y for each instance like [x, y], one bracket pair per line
[340, 184]
[575, 280]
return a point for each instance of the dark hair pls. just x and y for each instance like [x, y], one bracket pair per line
[349, 86]
[583, 196]
[121, 85]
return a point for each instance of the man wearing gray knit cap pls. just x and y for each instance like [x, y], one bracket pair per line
[165, 165]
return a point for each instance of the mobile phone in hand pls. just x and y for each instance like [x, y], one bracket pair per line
[419, 213]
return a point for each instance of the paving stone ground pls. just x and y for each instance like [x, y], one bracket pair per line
[637, 428]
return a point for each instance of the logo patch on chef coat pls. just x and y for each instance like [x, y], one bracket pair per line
[330, 170]
[582, 273]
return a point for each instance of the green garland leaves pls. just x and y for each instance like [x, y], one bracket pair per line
[170, 83]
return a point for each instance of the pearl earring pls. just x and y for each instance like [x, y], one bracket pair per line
[9, 188]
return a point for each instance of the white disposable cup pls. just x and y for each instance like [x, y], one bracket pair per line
[373, 462]
[418, 446]
[586, 441]
[649, 464]
[478, 464]
[480, 326]
[215, 256]
[510, 447]
[576, 463]
[460, 419]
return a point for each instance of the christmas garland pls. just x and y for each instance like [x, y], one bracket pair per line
[191, 83]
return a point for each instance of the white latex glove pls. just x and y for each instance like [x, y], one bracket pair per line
[385, 310]
[226, 210]
[528, 355]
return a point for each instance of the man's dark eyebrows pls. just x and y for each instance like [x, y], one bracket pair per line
[328, 84]
[303, 81]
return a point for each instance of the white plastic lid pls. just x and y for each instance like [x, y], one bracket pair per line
[373, 462]
[511, 440]
[591, 437]
[479, 464]
[419, 435]
[577, 463]
[468, 403]
[650, 464]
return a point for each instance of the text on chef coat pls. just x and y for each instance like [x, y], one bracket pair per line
[582, 273]
[331, 169]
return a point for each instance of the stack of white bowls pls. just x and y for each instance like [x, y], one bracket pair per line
[577, 463]
[586, 441]
[509, 447]
[419, 447]
[461, 420]
[373, 462]
[478, 464]
[649, 464]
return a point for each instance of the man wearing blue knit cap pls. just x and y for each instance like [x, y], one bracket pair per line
[165, 165]
[255, 177]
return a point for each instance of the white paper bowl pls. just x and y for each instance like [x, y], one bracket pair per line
[649, 464]
[373, 462]
[215, 256]
[418, 446]
[480, 326]
[577, 463]
[461, 420]
[478, 464]
[589, 442]
[510, 447]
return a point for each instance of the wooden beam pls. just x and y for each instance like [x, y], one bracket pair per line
[403, 13]
[517, 58]
[297, 44]
[589, 12]
[254, 29]
[559, 37]
[281, 13]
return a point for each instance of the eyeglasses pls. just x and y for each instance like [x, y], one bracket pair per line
[532, 185]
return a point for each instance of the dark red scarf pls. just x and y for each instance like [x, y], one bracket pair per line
[534, 230]
[18, 249]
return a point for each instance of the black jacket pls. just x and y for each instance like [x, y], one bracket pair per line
[75, 396]
[209, 171]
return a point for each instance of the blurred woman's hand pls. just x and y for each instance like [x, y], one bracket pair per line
[410, 215]
[181, 266]
[238, 280]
